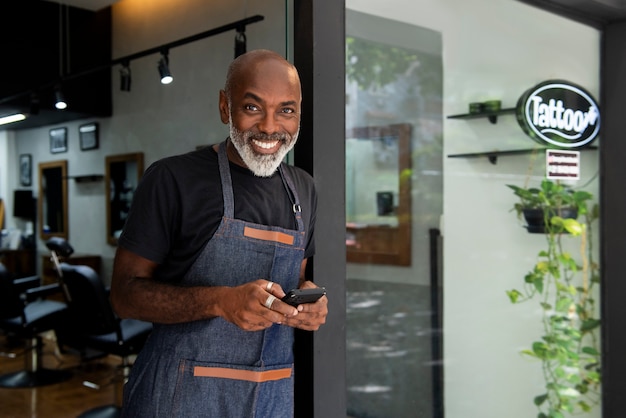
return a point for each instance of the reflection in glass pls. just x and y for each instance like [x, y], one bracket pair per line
[393, 81]
[53, 199]
[122, 175]
[378, 195]
[374, 192]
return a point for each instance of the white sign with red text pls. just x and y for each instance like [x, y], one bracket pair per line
[562, 164]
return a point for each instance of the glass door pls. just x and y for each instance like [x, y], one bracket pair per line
[393, 208]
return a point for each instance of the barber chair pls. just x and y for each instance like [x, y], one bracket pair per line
[59, 247]
[25, 314]
[93, 323]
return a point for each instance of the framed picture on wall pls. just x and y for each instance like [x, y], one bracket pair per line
[26, 169]
[58, 140]
[88, 135]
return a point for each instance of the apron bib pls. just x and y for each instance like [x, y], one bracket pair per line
[212, 368]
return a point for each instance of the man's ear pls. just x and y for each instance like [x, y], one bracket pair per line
[224, 113]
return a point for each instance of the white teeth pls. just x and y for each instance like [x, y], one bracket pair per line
[265, 145]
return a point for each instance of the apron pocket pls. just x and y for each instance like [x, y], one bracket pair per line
[205, 389]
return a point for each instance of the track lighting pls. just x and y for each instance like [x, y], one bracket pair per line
[240, 41]
[41, 95]
[164, 70]
[125, 77]
[59, 100]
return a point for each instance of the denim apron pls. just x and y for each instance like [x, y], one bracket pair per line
[212, 368]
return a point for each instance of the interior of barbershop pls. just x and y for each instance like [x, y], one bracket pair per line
[467, 158]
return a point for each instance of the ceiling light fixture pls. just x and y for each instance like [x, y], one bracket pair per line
[240, 41]
[164, 69]
[125, 78]
[59, 99]
[16, 117]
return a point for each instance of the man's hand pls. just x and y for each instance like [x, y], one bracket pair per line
[310, 315]
[255, 306]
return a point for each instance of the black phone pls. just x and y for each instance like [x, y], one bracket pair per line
[297, 297]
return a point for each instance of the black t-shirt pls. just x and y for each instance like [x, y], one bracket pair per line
[178, 206]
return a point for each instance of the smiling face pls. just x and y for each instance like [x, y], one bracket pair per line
[261, 105]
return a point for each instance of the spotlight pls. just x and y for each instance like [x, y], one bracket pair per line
[125, 77]
[59, 100]
[164, 71]
[240, 41]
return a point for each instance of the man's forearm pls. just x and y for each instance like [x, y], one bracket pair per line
[148, 300]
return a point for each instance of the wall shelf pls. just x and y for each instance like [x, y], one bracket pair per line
[492, 156]
[86, 178]
[492, 116]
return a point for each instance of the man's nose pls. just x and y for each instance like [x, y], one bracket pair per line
[268, 123]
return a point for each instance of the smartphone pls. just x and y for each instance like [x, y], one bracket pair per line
[296, 297]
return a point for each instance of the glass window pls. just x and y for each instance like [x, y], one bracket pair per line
[454, 302]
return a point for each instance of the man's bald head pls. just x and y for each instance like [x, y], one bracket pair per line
[239, 70]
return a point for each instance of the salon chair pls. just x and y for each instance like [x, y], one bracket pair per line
[25, 314]
[92, 324]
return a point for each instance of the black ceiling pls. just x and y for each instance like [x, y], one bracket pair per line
[596, 13]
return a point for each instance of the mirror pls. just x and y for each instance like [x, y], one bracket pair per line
[52, 202]
[378, 195]
[122, 175]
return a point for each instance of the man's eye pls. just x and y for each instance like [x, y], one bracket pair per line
[251, 107]
[287, 110]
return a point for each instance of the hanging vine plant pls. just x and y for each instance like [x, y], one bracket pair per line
[564, 286]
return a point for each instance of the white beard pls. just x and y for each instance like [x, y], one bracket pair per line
[262, 165]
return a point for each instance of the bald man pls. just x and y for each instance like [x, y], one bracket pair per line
[213, 240]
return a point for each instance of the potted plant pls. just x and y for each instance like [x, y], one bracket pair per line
[538, 205]
[564, 285]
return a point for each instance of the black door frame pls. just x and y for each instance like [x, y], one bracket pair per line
[319, 38]
[612, 219]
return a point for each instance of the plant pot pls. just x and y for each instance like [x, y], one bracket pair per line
[535, 218]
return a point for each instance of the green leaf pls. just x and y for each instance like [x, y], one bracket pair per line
[540, 399]
[514, 295]
[593, 377]
[572, 290]
[583, 387]
[584, 406]
[563, 304]
[567, 406]
[589, 324]
[569, 392]
[573, 226]
[590, 350]
[542, 267]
